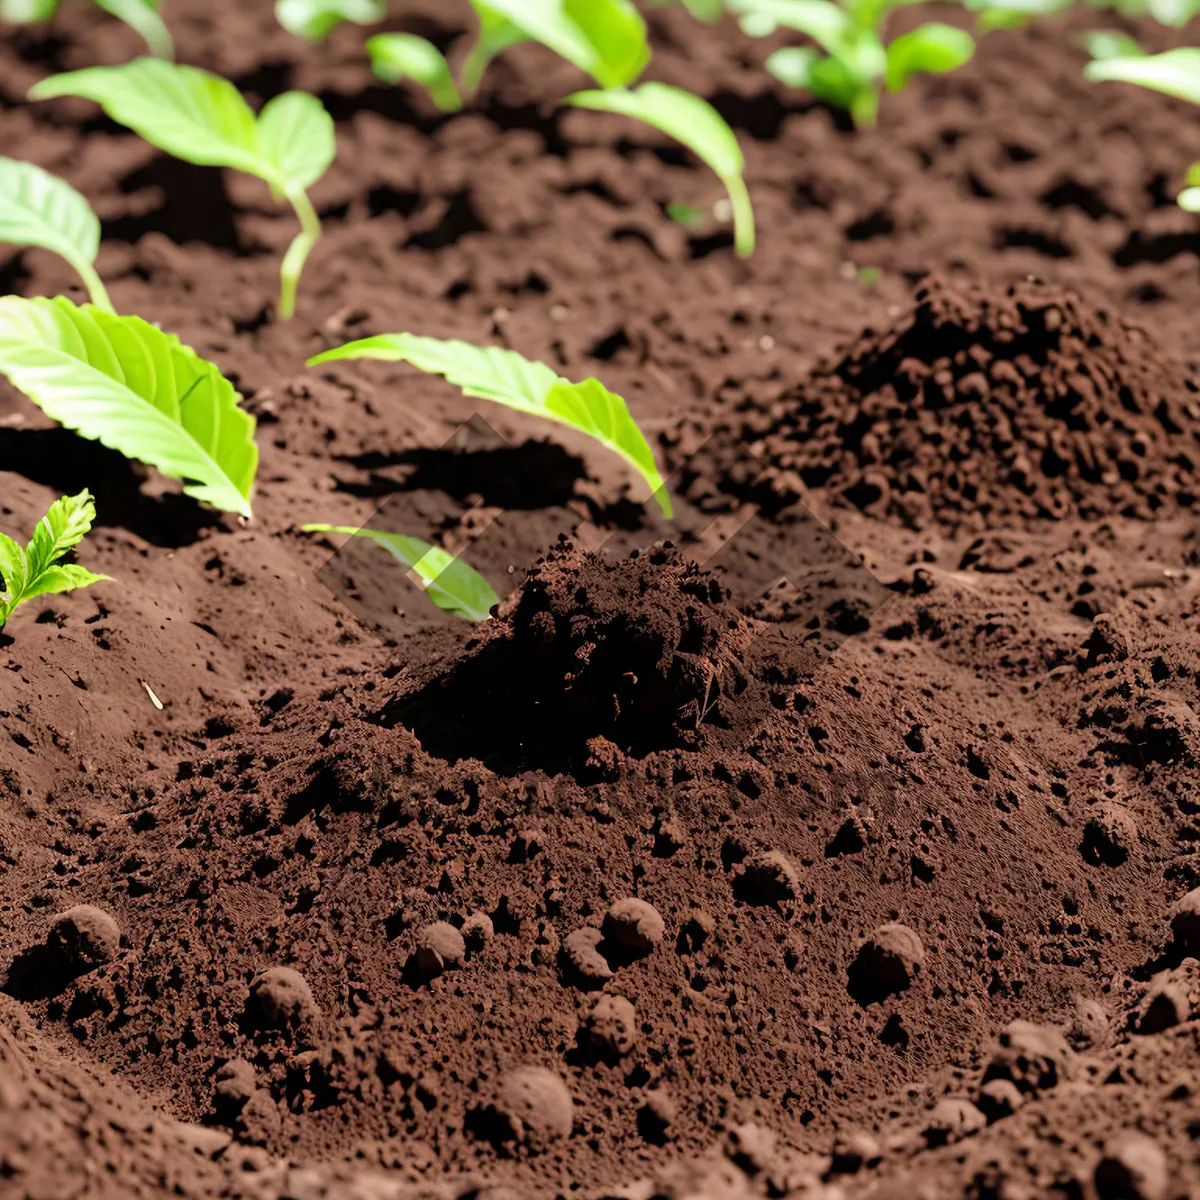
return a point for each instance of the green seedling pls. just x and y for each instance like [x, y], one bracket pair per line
[142, 16]
[124, 383]
[605, 39]
[1175, 73]
[1173, 13]
[854, 60]
[504, 377]
[39, 209]
[202, 118]
[35, 569]
[1013, 14]
[314, 19]
[449, 582]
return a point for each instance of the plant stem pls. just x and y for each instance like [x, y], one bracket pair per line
[297, 252]
[95, 286]
[743, 215]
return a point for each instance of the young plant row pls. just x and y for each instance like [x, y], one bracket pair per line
[125, 383]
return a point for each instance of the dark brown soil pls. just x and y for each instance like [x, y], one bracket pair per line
[673, 880]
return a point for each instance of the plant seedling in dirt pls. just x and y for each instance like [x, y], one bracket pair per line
[504, 377]
[202, 118]
[605, 39]
[449, 582]
[142, 16]
[314, 19]
[856, 59]
[34, 569]
[1013, 14]
[124, 383]
[39, 209]
[1173, 13]
[1174, 72]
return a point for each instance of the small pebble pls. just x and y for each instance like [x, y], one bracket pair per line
[439, 945]
[1134, 1167]
[283, 999]
[952, 1120]
[1034, 1057]
[85, 937]
[612, 1025]
[999, 1098]
[769, 877]
[537, 1104]
[582, 953]
[478, 930]
[1185, 920]
[888, 962]
[635, 924]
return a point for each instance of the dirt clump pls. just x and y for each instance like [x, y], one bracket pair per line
[983, 403]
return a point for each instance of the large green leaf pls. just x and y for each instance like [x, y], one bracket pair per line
[505, 377]
[123, 382]
[34, 569]
[933, 48]
[313, 19]
[605, 38]
[203, 119]
[694, 122]
[1175, 72]
[396, 57]
[39, 209]
[143, 17]
[449, 582]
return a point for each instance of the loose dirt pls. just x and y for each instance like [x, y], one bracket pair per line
[881, 883]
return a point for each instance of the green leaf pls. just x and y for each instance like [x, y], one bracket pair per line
[1107, 43]
[449, 582]
[826, 23]
[126, 384]
[143, 18]
[496, 33]
[1012, 14]
[504, 377]
[202, 118]
[605, 38]
[1175, 72]
[314, 19]
[399, 56]
[27, 12]
[695, 123]
[32, 570]
[39, 209]
[933, 48]
[792, 65]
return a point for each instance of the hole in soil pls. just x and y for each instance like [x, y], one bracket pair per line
[459, 219]
[877, 224]
[59, 459]
[194, 207]
[534, 475]
[591, 659]
[1160, 249]
[1032, 239]
[1073, 194]
[14, 277]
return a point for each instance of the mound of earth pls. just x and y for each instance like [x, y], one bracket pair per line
[588, 660]
[984, 403]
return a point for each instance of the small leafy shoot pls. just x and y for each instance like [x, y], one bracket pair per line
[697, 125]
[449, 582]
[202, 118]
[141, 16]
[27, 12]
[396, 57]
[124, 383]
[505, 377]
[1107, 43]
[34, 569]
[39, 209]
[1174, 72]
[932, 48]
[1013, 14]
[313, 20]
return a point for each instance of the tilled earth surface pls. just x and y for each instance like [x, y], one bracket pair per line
[882, 883]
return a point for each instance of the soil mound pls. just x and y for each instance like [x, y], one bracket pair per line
[981, 403]
[592, 659]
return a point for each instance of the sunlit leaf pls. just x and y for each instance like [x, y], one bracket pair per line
[142, 16]
[792, 65]
[123, 382]
[396, 57]
[695, 123]
[39, 209]
[314, 19]
[933, 48]
[26, 12]
[1175, 72]
[505, 377]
